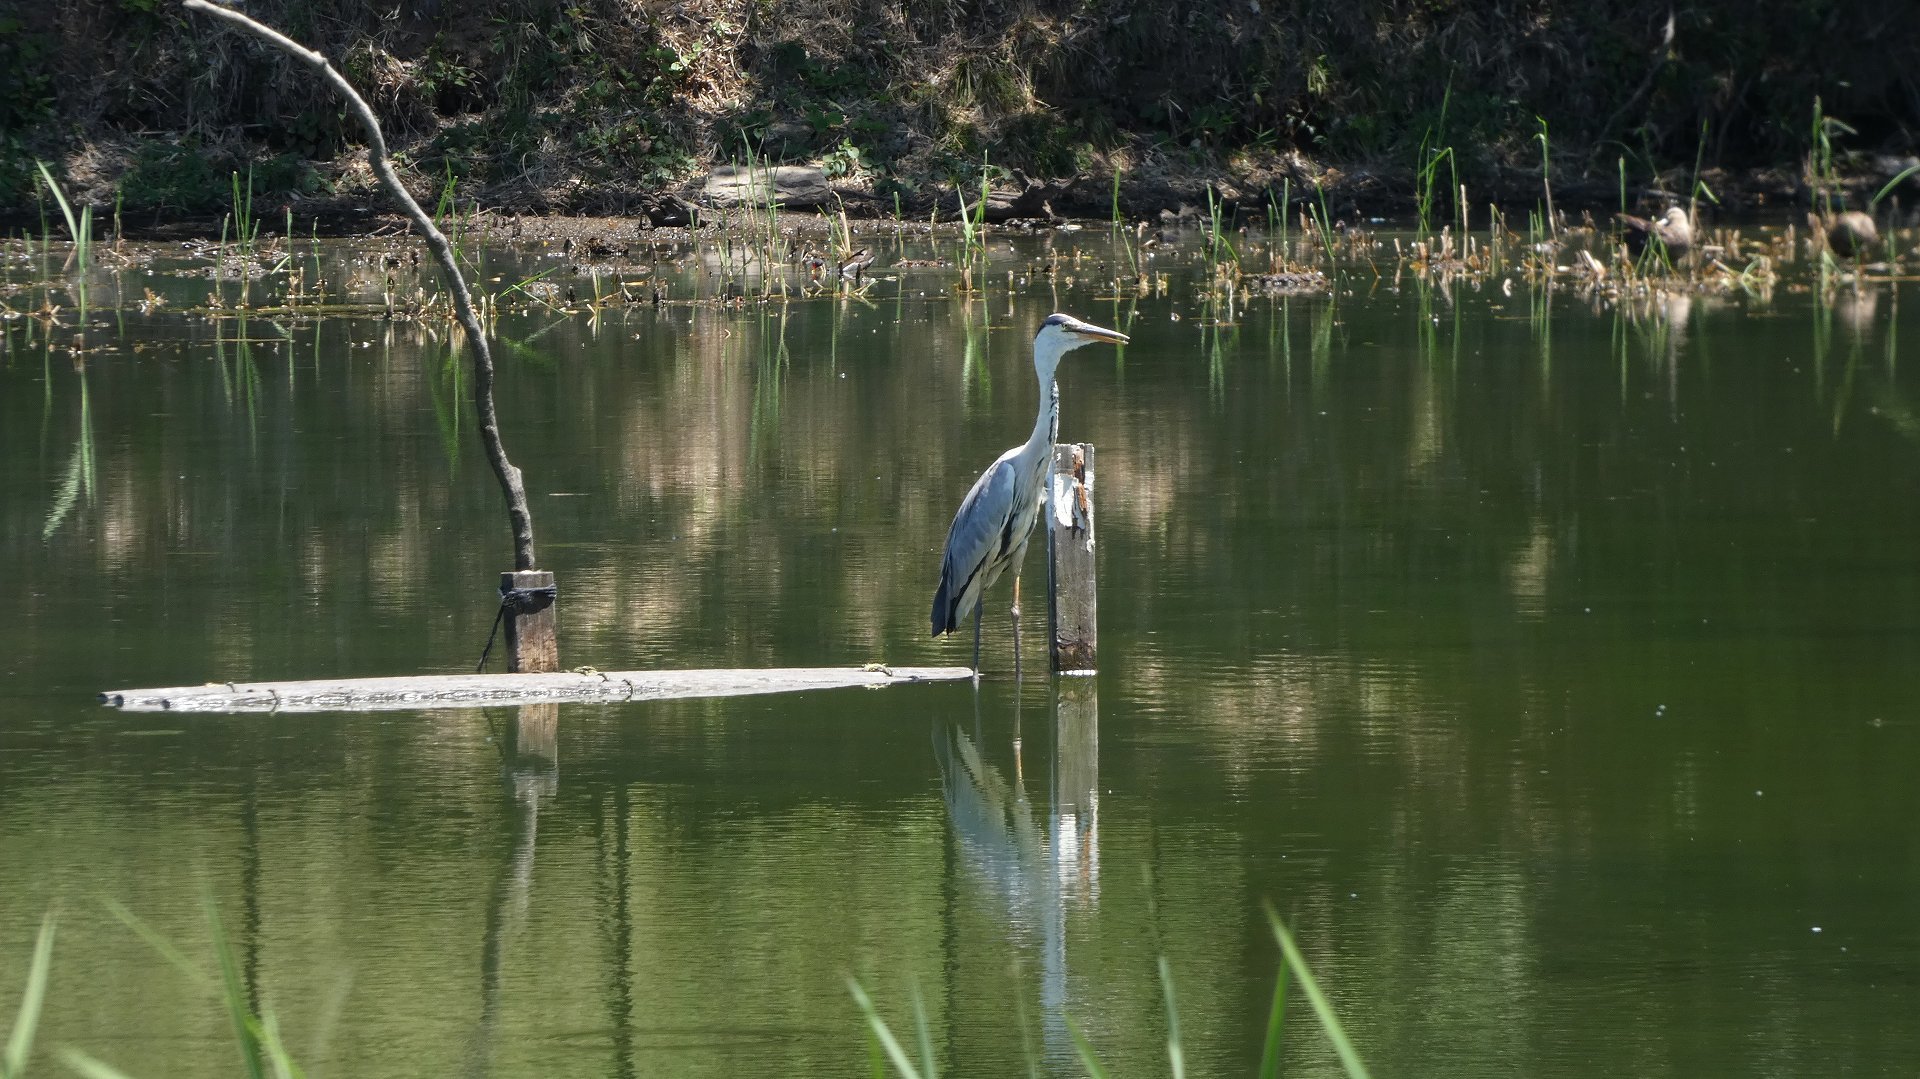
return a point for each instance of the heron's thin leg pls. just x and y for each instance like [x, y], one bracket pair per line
[976, 640]
[1016, 629]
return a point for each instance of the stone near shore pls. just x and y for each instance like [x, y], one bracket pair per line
[792, 187]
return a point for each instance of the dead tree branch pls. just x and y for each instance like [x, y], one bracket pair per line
[510, 482]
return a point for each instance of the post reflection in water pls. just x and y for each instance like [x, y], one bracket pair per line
[530, 769]
[1035, 873]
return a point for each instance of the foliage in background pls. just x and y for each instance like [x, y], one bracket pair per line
[588, 104]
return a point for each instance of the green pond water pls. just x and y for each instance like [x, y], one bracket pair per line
[1548, 663]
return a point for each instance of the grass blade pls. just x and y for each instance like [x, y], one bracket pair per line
[895, 1051]
[276, 1050]
[20, 1041]
[88, 1066]
[876, 1056]
[1891, 184]
[1270, 1056]
[236, 996]
[1085, 1049]
[74, 230]
[1329, 1022]
[925, 1032]
[60, 197]
[1175, 1055]
[1026, 1035]
[160, 944]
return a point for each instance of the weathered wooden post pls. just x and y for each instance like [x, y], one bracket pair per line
[528, 595]
[1072, 601]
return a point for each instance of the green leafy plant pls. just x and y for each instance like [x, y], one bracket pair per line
[80, 229]
[19, 1047]
[1433, 153]
[1219, 247]
[843, 160]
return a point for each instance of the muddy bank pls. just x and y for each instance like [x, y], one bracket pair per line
[1350, 197]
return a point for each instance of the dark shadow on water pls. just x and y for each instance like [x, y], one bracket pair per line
[614, 873]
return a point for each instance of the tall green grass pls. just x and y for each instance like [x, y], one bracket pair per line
[80, 229]
[1323, 222]
[1322, 1010]
[1219, 246]
[262, 1052]
[878, 1028]
[973, 223]
[1546, 174]
[1427, 170]
[246, 226]
[1283, 214]
[1176, 1054]
[446, 212]
[1822, 178]
[26, 1022]
[886, 1046]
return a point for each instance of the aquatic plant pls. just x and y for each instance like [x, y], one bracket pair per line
[882, 1039]
[1822, 180]
[247, 228]
[883, 1035]
[1323, 222]
[19, 1046]
[258, 1035]
[1219, 248]
[80, 229]
[262, 1051]
[1546, 174]
[446, 212]
[973, 225]
[1427, 168]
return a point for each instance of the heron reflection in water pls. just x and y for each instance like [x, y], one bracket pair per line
[989, 533]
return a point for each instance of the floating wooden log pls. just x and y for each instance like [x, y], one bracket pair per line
[1072, 601]
[492, 690]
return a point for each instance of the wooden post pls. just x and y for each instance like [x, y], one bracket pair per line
[531, 645]
[1072, 601]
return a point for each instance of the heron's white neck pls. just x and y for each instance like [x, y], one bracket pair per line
[1046, 425]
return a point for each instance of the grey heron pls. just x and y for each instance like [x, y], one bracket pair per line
[989, 532]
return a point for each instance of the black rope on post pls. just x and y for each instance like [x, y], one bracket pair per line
[516, 601]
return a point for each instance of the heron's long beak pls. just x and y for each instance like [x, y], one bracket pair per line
[1099, 333]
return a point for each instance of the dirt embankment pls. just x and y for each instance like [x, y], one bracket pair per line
[615, 106]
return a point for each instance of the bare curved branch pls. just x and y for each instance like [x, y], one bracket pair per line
[510, 481]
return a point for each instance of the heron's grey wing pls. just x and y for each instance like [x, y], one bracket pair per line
[975, 541]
